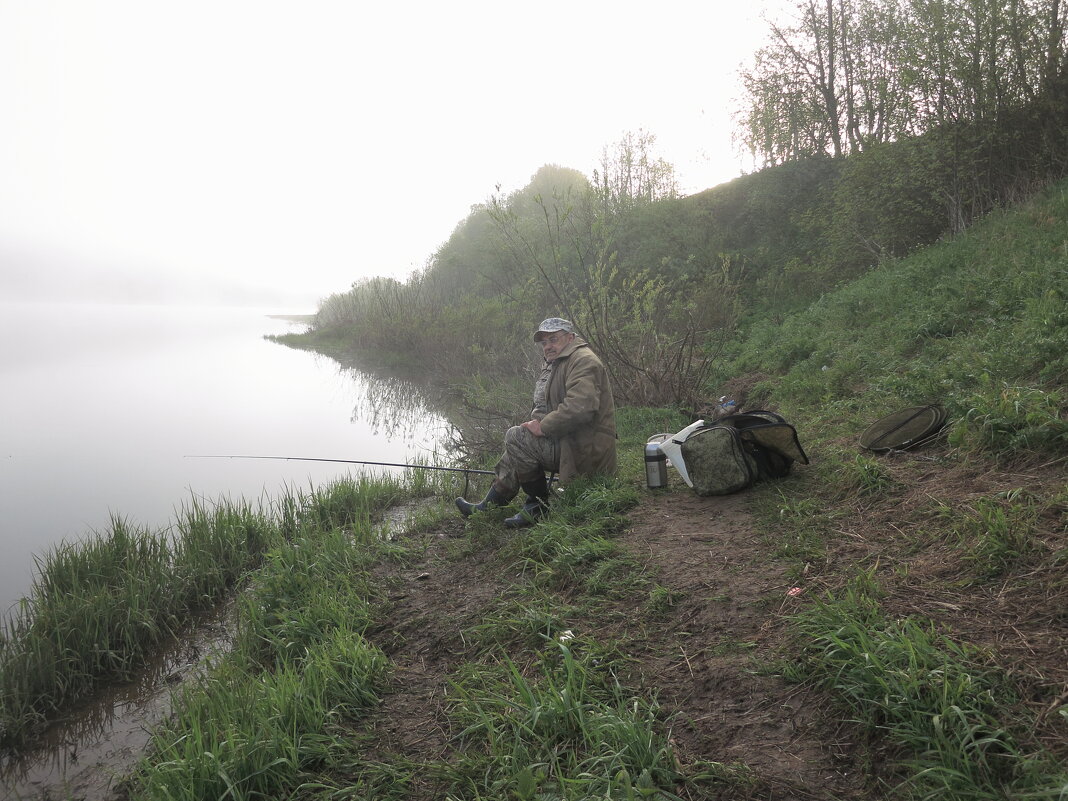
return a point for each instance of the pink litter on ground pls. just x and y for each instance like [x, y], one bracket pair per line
[794, 591]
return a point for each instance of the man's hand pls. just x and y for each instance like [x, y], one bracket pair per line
[534, 427]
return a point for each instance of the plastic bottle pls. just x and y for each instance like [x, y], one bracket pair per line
[724, 407]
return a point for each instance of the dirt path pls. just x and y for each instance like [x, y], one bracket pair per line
[705, 660]
[723, 600]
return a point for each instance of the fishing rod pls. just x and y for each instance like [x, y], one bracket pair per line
[467, 471]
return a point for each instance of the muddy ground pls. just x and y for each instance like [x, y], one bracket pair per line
[727, 601]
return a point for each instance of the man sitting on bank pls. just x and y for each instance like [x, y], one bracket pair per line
[571, 431]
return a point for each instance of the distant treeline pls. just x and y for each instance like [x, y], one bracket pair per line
[885, 125]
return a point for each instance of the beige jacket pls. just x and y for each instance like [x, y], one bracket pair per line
[581, 414]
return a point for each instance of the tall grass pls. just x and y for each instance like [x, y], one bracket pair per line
[99, 608]
[981, 322]
[938, 700]
[279, 706]
[281, 714]
[563, 727]
[994, 533]
[244, 735]
[525, 619]
[573, 547]
[569, 731]
[352, 503]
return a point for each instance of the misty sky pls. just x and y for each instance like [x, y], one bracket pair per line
[274, 152]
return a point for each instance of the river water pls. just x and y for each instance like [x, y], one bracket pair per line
[103, 409]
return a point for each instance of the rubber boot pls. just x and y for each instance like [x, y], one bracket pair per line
[536, 505]
[493, 498]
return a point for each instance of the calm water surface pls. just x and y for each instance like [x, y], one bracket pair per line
[101, 407]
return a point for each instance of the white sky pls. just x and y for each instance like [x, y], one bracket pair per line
[183, 149]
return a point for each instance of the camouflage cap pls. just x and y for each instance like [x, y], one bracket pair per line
[552, 325]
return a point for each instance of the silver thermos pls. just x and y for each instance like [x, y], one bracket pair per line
[655, 466]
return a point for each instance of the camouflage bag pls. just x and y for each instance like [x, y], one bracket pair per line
[736, 451]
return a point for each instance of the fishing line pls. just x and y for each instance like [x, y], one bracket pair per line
[467, 471]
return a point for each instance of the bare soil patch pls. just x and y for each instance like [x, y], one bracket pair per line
[707, 660]
[701, 657]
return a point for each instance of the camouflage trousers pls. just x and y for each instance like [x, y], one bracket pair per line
[525, 458]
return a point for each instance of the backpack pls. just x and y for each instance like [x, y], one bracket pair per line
[736, 451]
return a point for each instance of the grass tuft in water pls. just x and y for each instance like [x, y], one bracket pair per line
[100, 607]
[278, 707]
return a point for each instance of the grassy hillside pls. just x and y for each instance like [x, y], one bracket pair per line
[978, 324]
[657, 282]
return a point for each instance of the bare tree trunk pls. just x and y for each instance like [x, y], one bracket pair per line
[1054, 62]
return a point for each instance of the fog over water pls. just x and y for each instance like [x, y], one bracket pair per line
[102, 405]
[213, 150]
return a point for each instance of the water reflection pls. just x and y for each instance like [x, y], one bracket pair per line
[99, 740]
[110, 402]
[393, 406]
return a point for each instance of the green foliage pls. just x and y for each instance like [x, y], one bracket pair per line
[100, 608]
[528, 621]
[928, 694]
[843, 78]
[995, 533]
[654, 329]
[735, 774]
[248, 735]
[349, 503]
[866, 476]
[631, 175]
[1012, 420]
[886, 202]
[926, 145]
[980, 321]
[678, 293]
[272, 709]
[572, 547]
[570, 731]
[306, 589]
[661, 599]
[801, 524]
